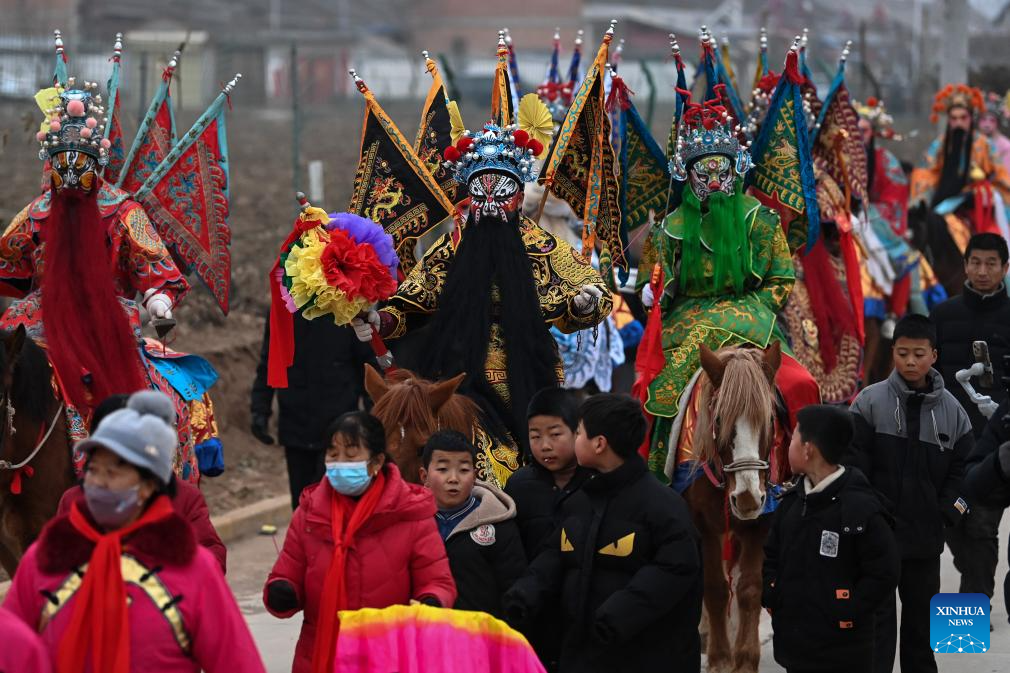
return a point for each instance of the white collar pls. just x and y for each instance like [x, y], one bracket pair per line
[825, 482]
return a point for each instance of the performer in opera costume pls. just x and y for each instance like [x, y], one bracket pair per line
[726, 268]
[961, 180]
[80, 253]
[494, 287]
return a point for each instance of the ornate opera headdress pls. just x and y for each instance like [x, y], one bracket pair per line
[957, 95]
[75, 118]
[707, 129]
[504, 145]
[874, 112]
[996, 106]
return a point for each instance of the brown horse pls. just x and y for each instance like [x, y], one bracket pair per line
[411, 409]
[733, 441]
[35, 457]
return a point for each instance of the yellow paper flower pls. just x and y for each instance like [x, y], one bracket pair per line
[535, 119]
[455, 122]
[309, 289]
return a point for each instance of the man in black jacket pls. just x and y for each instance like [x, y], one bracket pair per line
[830, 557]
[325, 380]
[625, 561]
[980, 313]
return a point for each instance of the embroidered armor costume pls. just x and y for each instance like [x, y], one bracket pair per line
[559, 271]
[711, 313]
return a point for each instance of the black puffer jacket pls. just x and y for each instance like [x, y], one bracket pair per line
[627, 565]
[960, 321]
[326, 380]
[538, 502]
[984, 479]
[830, 559]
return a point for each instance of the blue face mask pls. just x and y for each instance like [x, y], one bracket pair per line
[112, 509]
[349, 478]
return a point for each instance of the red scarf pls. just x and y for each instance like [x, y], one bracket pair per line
[100, 621]
[334, 599]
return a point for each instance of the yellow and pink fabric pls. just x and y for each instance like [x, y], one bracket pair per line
[423, 639]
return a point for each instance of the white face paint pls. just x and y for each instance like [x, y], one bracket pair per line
[747, 483]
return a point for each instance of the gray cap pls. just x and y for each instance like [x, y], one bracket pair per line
[142, 434]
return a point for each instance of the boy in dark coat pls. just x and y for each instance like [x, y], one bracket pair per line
[476, 521]
[830, 557]
[539, 489]
[625, 561]
[911, 440]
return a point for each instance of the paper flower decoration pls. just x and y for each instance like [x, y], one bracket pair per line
[456, 128]
[535, 119]
[339, 269]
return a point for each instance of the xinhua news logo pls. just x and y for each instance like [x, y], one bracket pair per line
[959, 623]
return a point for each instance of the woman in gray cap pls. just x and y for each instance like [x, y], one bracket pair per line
[120, 582]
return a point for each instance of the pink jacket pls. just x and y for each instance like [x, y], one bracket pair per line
[22, 651]
[397, 556]
[183, 617]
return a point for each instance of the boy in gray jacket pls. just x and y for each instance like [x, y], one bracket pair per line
[911, 440]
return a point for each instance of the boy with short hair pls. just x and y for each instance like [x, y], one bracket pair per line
[539, 488]
[911, 440]
[476, 521]
[830, 556]
[625, 560]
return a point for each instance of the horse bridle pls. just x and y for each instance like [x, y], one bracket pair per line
[717, 476]
[9, 431]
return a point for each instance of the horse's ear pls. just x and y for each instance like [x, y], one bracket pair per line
[712, 365]
[772, 358]
[443, 391]
[375, 385]
[13, 344]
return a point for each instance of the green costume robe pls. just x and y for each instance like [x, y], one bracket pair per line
[715, 316]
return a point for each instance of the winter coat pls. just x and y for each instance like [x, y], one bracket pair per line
[23, 650]
[984, 479]
[627, 566]
[912, 446]
[397, 556]
[189, 504]
[183, 617]
[485, 551]
[538, 502]
[960, 321]
[830, 560]
[325, 380]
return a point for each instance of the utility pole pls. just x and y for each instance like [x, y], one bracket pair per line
[954, 66]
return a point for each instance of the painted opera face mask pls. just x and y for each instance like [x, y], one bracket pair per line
[73, 170]
[493, 196]
[710, 174]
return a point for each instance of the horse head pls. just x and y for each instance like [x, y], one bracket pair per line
[735, 431]
[411, 409]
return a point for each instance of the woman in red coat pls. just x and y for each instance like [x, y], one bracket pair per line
[389, 549]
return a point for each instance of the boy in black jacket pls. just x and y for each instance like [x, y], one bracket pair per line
[625, 561]
[830, 557]
[911, 441]
[539, 489]
[476, 521]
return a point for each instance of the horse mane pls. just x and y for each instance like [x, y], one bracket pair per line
[31, 392]
[744, 393]
[406, 405]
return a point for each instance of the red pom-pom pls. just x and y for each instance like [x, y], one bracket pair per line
[355, 268]
[451, 154]
[536, 146]
[871, 101]
[464, 144]
[521, 138]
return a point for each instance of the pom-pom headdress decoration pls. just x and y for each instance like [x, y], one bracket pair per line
[502, 146]
[875, 112]
[957, 95]
[707, 128]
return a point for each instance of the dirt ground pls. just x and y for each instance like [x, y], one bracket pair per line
[262, 211]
